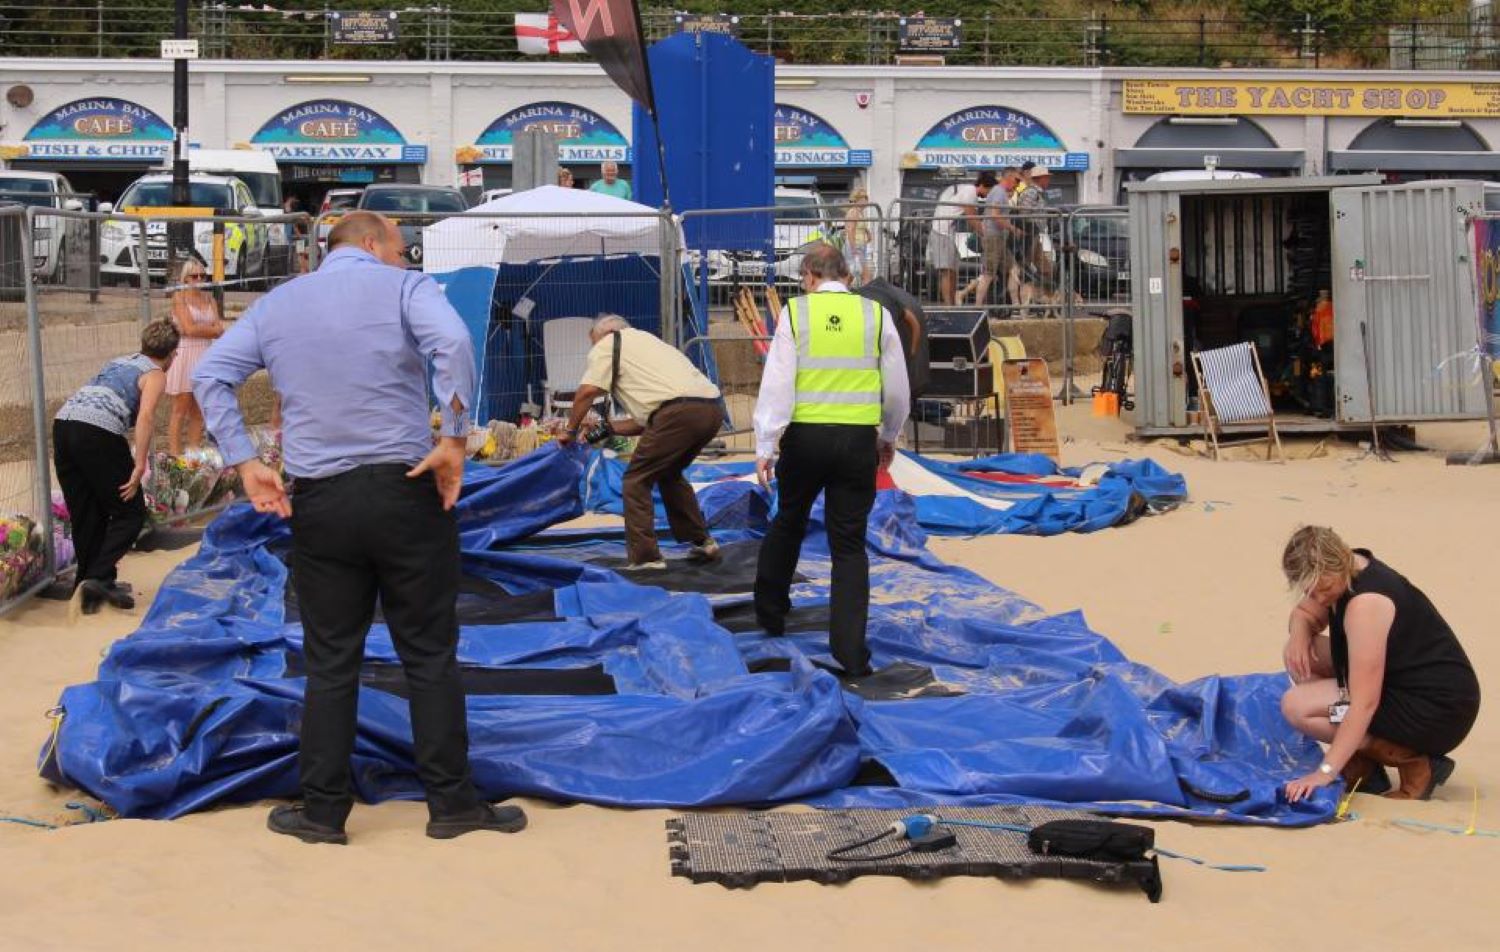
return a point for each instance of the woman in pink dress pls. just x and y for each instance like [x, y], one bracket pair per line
[196, 315]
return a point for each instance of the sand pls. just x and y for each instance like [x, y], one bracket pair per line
[1195, 592]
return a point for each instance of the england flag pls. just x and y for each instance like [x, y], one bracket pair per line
[539, 34]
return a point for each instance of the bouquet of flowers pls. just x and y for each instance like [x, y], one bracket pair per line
[176, 486]
[23, 556]
[62, 532]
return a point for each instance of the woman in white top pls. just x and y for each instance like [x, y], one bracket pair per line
[196, 316]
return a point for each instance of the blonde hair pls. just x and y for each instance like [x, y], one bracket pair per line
[1312, 553]
[187, 264]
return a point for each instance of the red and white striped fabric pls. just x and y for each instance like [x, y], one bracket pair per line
[540, 34]
[907, 474]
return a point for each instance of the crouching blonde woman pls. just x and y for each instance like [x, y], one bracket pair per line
[1380, 676]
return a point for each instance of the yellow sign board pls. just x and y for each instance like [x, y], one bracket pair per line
[1207, 97]
[167, 211]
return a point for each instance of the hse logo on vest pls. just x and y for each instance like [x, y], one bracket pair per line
[834, 324]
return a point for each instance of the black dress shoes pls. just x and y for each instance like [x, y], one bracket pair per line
[485, 817]
[292, 821]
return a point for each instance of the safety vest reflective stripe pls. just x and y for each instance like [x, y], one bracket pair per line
[838, 364]
[833, 396]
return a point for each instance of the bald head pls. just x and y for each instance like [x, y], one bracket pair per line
[824, 262]
[371, 231]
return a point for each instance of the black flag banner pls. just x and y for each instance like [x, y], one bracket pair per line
[611, 33]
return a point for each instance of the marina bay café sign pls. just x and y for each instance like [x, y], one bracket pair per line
[95, 129]
[989, 137]
[332, 130]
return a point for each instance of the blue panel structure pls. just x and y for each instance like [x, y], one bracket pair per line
[715, 101]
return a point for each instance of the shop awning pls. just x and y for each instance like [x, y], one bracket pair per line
[1197, 158]
[1361, 160]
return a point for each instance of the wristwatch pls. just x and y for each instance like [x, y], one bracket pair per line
[1326, 769]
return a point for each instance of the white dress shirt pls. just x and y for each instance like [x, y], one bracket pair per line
[778, 384]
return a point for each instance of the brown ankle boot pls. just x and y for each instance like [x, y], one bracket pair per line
[1415, 770]
[1363, 771]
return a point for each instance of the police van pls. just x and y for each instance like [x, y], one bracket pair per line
[245, 243]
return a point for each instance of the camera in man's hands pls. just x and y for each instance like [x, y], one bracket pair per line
[598, 433]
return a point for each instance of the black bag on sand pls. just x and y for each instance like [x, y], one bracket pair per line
[1092, 839]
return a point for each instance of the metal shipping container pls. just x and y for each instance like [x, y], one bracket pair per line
[1401, 266]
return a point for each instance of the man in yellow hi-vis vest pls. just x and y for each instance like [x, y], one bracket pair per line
[833, 400]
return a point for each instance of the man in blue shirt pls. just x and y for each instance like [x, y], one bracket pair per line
[371, 510]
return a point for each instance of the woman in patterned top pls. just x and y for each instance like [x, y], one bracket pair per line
[99, 473]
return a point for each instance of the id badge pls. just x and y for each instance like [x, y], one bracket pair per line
[1336, 712]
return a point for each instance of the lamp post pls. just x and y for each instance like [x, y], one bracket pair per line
[181, 232]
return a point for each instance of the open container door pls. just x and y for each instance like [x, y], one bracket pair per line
[1161, 358]
[1403, 270]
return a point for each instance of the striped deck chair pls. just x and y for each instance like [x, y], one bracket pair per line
[1232, 390]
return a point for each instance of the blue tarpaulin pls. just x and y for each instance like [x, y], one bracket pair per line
[202, 704]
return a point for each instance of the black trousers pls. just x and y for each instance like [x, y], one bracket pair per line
[368, 533]
[840, 462]
[92, 464]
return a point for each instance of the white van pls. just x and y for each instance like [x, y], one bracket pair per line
[258, 170]
[52, 236]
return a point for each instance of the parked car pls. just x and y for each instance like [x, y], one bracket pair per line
[412, 208]
[52, 237]
[245, 243]
[801, 217]
[335, 202]
[490, 194]
[1101, 241]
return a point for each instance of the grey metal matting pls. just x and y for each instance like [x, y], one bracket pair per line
[738, 850]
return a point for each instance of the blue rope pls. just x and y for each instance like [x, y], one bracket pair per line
[23, 821]
[1226, 868]
[978, 825]
[1016, 828]
[1440, 828]
[90, 815]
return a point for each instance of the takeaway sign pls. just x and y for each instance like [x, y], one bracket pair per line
[803, 140]
[992, 137]
[333, 130]
[584, 136]
[92, 130]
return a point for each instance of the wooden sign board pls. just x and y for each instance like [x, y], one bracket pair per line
[1030, 419]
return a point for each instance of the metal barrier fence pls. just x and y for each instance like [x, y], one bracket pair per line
[1050, 263]
[1015, 264]
[1135, 34]
[26, 547]
[76, 288]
